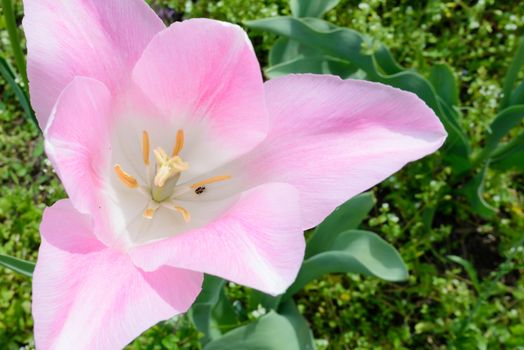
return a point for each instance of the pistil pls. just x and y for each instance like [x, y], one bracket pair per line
[167, 167]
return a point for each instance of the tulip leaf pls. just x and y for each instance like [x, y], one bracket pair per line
[353, 251]
[303, 332]
[517, 97]
[23, 267]
[386, 62]
[340, 42]
[445, 84]
[284, 50]
[514, 161]
[317, 65]
[510, 155]
[258, 298]
[500, 127]
[474, 192]
[9, 75]
[311, 8]
[346, 217]
[270, 332]
[512, 74]
[212, 312]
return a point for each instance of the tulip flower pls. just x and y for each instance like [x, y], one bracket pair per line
[179, 160]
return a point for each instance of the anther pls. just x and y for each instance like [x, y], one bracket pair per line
[145, 147]
[148, 213]
[150, 210]
[210, 181]
[125, 178]
[179, 142]
[185, 213]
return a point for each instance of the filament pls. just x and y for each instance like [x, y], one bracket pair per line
[210, 181]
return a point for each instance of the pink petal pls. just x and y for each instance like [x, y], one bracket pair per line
[78, 142]
[333, 138]
[206, 72]
[88, 297]
[95, 38]
[257, 243]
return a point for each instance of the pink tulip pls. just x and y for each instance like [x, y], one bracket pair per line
[179, 160]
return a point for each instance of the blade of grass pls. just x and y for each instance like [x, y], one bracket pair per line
[23, 267]
[14, 39]
[511, 76]
[7, 72]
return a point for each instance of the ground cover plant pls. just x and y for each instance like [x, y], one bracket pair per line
[463, 247]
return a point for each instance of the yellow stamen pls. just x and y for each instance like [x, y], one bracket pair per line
[148, 213]
[179, 142]
[185, 213]
[145, 147]
[125, 178]
[210, 181]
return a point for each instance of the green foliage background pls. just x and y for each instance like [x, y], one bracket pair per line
[439, 307]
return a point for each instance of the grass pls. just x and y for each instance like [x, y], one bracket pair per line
[441, 306]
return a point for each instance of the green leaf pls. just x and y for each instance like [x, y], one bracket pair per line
[201, 310]
[317, 65]
[21, 95]
[12, 30]
[270, 332]
[500, 127]
[340, 42]
[311, 8]
[287, 50]
[474, 192]
[210, 290]
[470, 270]
[353, 251]
[267, 301]
[303, 332]
[284, 50]
[346, 217]
[386, 62]
[428, 214]
[513, 161]
[445, 84]
[212, 312]
[23, 267]
[509, 156]
[517, 97]
[511, 75]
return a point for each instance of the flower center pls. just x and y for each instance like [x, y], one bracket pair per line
[161, 189]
